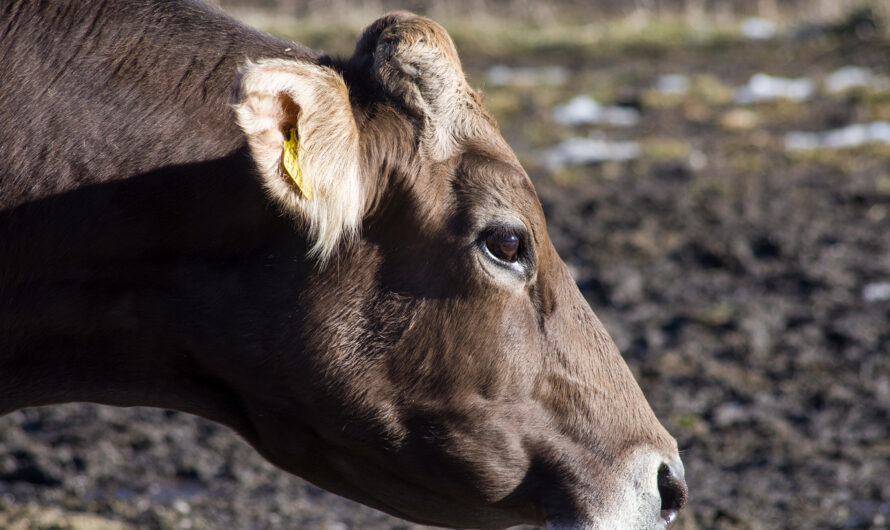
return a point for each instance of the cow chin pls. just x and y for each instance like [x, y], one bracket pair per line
[414, 499]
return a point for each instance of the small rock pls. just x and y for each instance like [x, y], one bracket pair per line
[697, 160]
[181, 506]
[730, 414]
[739, 119]
[876, 292]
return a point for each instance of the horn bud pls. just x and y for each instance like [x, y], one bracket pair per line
[414, 61]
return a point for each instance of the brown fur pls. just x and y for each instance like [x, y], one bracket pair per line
[366, 342]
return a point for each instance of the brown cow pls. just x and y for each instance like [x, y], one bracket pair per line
[397, 328]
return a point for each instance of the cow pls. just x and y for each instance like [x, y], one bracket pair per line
[339, 258]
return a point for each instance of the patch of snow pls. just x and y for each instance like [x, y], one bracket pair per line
[876, 292]
[854, 135]
[849, 77]
[583, 151]
[502, 75]
[802, 141]
[763, 87]
[849, 136]
[583, 110]
[672, 84]
[757, 28]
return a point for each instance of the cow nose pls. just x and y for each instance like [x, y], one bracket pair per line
[673, 491]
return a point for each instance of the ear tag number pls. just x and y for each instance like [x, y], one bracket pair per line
[290, 158]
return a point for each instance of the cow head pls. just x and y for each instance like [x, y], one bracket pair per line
[441, 362]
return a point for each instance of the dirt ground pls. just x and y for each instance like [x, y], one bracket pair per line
[746, 283]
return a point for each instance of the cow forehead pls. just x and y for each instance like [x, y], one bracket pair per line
[482, 176]
[492, 185]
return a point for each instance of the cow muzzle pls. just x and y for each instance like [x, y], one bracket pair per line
[650, 496]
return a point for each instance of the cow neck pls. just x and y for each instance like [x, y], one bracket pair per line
[82, 269]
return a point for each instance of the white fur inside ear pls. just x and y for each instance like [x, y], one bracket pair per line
[275, 95]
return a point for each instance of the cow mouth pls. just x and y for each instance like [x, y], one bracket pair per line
[665, 522]
[643, 510]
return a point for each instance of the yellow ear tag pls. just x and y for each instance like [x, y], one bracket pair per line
[291, 161]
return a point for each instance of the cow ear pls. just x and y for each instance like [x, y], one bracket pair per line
[302, 135]
[414, 60]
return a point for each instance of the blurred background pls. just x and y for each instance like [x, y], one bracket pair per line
[717, 176]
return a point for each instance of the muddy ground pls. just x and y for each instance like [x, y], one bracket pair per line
[748, 286]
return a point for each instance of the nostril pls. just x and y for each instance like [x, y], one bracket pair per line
[672, 489]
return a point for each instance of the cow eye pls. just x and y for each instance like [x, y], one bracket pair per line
[504, 247]
[504, 244]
